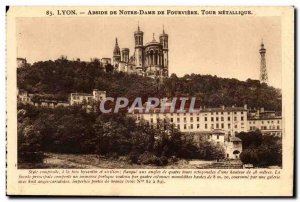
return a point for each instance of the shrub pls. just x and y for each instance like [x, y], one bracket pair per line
[164, 160]
[134, 157]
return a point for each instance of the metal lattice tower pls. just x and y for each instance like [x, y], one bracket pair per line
[263, 67]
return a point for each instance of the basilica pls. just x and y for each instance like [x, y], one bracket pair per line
[149, 60]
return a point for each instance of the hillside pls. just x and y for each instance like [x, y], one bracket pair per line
[61, 77]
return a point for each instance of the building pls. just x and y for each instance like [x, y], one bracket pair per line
[219, 125]
[39, 100]
[231, 120]
[86, 98]
[150, 59]
[21, 62]
[23, 96]
[266, 121]
[233, 147]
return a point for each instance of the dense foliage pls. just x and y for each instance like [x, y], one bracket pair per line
[261, 150]
[72, 130]
[61, 77]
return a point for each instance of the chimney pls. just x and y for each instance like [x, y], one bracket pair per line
[262, 110]
[223, 107]
[245, 106]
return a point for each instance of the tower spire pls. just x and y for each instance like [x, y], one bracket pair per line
[116, 41]
[263, 66]
[163, 29]
[138, 25]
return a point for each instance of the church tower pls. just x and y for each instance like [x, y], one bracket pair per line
[263, 67]
[138, 53]
[163, 39]
[116, 54]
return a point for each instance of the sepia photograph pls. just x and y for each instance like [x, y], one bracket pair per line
[150, 96]
[148, 73]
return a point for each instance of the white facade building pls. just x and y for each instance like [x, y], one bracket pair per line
[81, 98]
[271, 125]
[232, 120]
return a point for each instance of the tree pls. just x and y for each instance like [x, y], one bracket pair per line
[29, 145]
[249, 156]
[250, 139]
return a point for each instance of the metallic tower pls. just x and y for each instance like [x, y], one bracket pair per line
[263, 67]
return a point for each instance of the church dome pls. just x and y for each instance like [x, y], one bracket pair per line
[153, 42]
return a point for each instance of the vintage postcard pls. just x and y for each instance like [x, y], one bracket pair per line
[150, 101]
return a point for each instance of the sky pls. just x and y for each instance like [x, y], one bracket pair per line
[223, 46]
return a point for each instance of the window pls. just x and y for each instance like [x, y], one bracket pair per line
[228, 113]
[184, 114]
[198, 119]
[178, 126]
[242, 112]
[212, 118]
[222, 118]
[234, 112]
[278, 127]
[151, 120]
[242, 118]
[191, 119]
[191, 126]
[184, 119]
[222, 113]
[205, 118]
[206, 126]
[268, 121]
[217, 113]
[228, 118]
[212, 113]
[217, 118]
[235, 126]
[198, 125]
[278, 121]
[171, 114]
[212, 126]
[191, 114]
[171, 119]
[218, 136]
[222, 125]
[184, 126]
[235, 119]
[262, 122]
[229, 126]
[217, 125]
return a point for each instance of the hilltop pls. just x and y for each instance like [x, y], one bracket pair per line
[62, 77]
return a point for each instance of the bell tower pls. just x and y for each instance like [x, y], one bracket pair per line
[163, 39]
[116, 54]
[138, 53]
